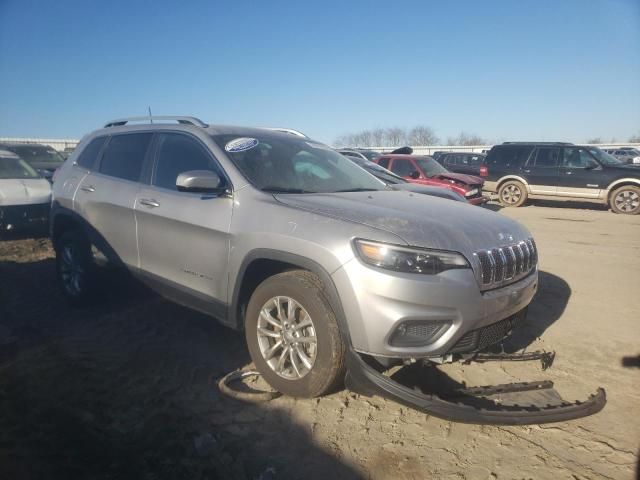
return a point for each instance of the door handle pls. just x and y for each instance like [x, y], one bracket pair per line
[568, 173]
[149, 202]
[88, 188]
[527, 171]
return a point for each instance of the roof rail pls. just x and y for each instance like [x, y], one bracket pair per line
[537, 143]
[290, 131]
[196, 122]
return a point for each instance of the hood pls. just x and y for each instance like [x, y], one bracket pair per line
[419, 220]
[460, 178]
[24, 191]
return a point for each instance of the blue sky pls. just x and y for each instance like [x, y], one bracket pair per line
[506, 70]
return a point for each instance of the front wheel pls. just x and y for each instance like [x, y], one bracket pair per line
[626, 200]
[512, 194]
[293, 335]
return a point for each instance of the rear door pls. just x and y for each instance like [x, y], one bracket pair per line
[541, 170]
[106, 196]
[183, 237]
[580, 174]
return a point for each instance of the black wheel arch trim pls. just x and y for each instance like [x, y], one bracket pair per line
[295, 260]
[58, 212]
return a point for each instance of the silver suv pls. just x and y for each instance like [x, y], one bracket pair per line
[325, 269]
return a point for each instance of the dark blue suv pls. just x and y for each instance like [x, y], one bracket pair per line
[556, 171]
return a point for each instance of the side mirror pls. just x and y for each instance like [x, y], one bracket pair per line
[415, 174]
[200, 181]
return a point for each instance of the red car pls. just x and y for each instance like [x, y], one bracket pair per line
[426, 171]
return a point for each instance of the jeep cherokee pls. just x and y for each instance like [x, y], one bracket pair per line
[326, 270]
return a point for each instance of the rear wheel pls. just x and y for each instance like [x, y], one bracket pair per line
[626, 200]
[293, 336]
[74, 266]
[512, 194]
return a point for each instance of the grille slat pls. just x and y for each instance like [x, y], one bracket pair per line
[499, 266]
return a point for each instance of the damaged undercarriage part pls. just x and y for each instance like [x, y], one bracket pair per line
[509, 404]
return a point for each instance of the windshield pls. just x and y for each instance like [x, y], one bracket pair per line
[295, 165]
[16, 168]
[37, 154]
[430, 167]
[370, 154]
[604, 158]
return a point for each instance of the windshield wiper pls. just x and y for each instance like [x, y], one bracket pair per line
[271, 189]
[356, 190]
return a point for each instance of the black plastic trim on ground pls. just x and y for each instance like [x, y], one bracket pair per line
[364, 379]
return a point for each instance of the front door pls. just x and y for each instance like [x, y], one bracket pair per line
[183, 237]
[541, 170]
[580, 174]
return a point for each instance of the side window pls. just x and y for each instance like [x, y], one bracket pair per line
[402, 167]
[547, 157]
[577, 158]
[507, 156]
[124, 155]
[89, 155]
[384, 162]
[451, 159]
[178, 154]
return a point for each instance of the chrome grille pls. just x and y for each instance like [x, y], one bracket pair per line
[500, 266]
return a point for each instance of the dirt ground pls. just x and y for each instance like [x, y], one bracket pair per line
[127, 389]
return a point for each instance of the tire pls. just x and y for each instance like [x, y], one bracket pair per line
[512, 193]
[75, 268]
[304, 293]
[625, 200]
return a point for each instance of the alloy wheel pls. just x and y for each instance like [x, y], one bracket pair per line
[627, 201]
[71, 270]
[511, 194]
[287, 337]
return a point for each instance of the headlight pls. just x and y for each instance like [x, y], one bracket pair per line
[409, 260]
[471, 192]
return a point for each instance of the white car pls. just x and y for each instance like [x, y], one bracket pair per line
[25, 197]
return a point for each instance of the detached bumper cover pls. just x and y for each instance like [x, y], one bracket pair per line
[536, 402]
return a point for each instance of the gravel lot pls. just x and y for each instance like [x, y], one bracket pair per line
[127, 389]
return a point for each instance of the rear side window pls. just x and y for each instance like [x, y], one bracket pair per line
[547, 158]
[178, 154]
[507, 156]
[384, 162]
[89, 155]
[124, 156]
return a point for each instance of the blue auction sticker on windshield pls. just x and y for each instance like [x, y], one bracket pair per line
[241, 144]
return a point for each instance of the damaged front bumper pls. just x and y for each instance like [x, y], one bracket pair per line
[510, 404]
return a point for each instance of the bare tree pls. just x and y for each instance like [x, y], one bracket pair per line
[594, 140]
[635, 138]
[422, 135]
[378, 136]
[395, 136]
[466, 139]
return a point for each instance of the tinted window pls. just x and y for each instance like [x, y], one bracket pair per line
[178, 154]
[124, 156]
[507, 156]
[547, 157]
[402, 167]
[89, 155]
[384, 162]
